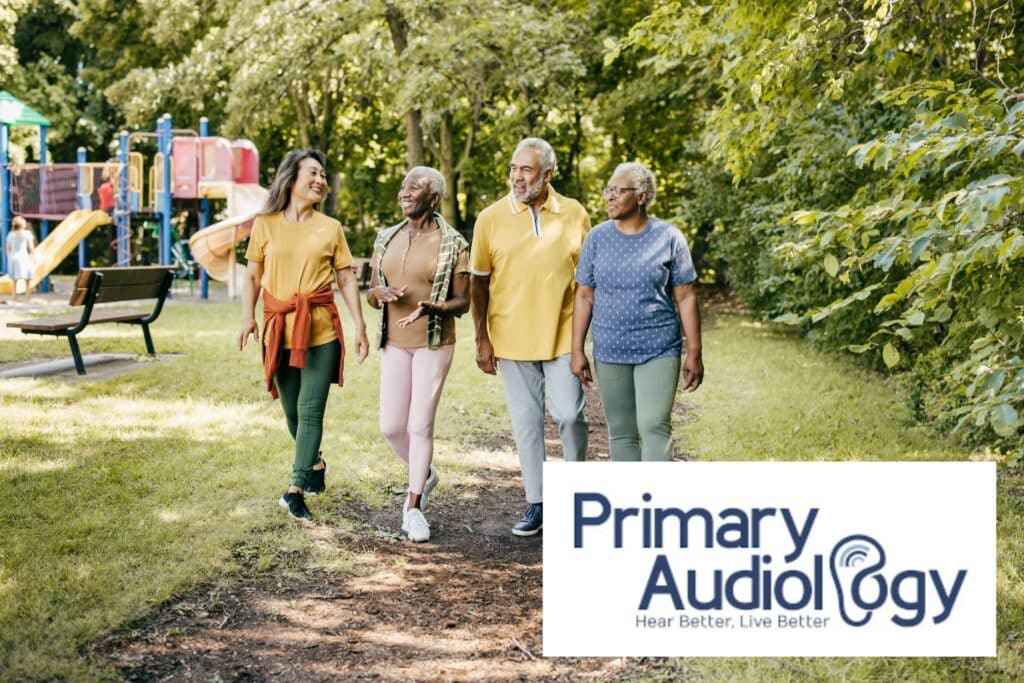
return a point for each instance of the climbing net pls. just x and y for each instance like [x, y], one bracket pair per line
[44, 191]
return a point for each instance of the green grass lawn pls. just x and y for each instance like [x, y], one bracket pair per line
[121, 493]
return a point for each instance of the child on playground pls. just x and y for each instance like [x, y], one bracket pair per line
[20, 246]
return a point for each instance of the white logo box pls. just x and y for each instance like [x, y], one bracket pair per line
[851, 559]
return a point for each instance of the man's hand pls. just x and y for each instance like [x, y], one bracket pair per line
[485, 357]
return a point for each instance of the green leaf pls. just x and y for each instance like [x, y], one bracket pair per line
[805, 217]
[890, 355]
[787, 319]
[1004, 420]
[831, 265]
[955, 120]
[993, 382]
[859, 348]
[942, 313]
[915, 319]
[918, 247]
[887, 301]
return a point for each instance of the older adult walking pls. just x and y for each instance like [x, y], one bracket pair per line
[635, 285]
[525, 248]
[420, 281]
[295, 254]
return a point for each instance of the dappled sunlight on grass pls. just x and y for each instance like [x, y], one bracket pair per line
[20, 465]
[30, 389]
[138, 487]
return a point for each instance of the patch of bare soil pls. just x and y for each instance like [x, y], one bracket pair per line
[464, 606]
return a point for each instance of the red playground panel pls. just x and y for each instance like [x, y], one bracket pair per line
[212, 160]
[186, 167]
[247, 161]
[217, 161]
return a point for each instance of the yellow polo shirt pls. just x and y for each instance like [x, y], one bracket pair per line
[531, 260]
[299, 257]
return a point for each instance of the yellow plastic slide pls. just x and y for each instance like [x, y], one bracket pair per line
[214, 247]
[61, 241]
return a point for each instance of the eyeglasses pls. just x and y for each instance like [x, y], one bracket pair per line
[616, 192]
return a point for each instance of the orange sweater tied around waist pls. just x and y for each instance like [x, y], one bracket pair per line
[274, 311]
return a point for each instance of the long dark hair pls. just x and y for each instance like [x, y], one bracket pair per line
[284, 180]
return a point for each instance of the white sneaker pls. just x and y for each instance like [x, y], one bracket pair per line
[428, 486]
[405, 515]
[417, 527]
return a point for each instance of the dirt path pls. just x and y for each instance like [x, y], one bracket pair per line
[464, 606]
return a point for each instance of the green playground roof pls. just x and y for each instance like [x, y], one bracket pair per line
[14, 112]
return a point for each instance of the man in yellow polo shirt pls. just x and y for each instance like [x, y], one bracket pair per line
[523, 264]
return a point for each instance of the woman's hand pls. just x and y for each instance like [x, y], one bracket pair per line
[362, 344]
[386, 295]
[580, 366]
[422, 308]
[249, 327]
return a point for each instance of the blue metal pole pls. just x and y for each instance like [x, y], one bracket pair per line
[163, 200]
[44, 225]
[204, 215]
[5, 196]
[121, 202]
[83, 255]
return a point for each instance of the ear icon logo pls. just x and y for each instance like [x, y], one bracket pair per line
[854, 561]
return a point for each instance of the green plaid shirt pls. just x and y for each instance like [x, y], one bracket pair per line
[452, 244]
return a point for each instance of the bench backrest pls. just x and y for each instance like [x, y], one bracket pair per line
[122, 284]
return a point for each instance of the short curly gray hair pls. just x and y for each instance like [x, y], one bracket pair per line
[541, 146]
[433, 176]
[642, 179]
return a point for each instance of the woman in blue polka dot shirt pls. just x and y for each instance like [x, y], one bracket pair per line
[635, 288]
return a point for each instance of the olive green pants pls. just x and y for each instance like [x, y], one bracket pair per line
[638, 402]
[304, 399]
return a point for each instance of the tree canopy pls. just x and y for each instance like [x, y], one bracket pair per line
[851, 168]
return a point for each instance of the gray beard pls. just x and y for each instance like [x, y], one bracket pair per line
[532, 192]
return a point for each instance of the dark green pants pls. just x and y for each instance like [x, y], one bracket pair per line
[304, 398]
[638, 402]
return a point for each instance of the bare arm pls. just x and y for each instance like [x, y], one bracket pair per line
[480, 299]
[689, 316]
[250, 292]
[582, 309]
[349, 288]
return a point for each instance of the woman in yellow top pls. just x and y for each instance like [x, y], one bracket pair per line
[421, 281]
[295, 254]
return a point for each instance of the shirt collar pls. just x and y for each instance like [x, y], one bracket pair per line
[553, 203]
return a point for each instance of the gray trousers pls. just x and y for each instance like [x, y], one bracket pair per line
[525, 384]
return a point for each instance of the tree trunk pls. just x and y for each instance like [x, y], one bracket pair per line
[446, 159]
[413, 139]
[330, 206]
[413, 126]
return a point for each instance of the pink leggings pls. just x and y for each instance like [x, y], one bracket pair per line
[410, 388]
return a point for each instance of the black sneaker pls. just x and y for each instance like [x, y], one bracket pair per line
[295, 504]
[316, 484]
[532, 521]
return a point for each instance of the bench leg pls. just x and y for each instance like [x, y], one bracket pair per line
[149, 340]
[76, 354]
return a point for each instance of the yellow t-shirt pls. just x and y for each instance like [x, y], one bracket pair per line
[531, 261]
[299, 257]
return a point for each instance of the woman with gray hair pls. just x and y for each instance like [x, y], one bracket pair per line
[635, 285]
[420, 282]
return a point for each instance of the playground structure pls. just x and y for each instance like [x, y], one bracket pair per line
[188, 165]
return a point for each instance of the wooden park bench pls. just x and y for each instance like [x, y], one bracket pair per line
[103, 285]
[363, 269]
